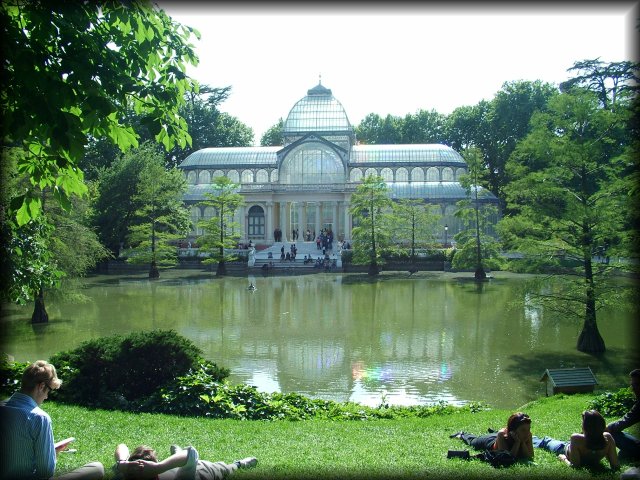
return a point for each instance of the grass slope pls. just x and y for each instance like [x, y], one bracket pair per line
[407, 448]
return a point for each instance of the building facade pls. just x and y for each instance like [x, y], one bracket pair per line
[307, 183]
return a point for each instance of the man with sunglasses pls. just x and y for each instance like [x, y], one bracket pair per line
[628, 444]
[26, 439]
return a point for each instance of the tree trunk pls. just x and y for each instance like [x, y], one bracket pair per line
[480, 274]
[222, 269]
[153, 270]
[373, 269]
[590, 340]
[40, 314]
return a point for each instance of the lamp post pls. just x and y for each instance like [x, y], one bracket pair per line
[446, 230]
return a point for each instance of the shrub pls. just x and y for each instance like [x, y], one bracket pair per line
[112, 372]
[10, 376]
[613, 404]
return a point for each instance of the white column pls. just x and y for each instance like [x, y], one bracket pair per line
[283, 220]
[334, 220]
[300, 211]
[269, 222]
[347, 223]
[318, 209]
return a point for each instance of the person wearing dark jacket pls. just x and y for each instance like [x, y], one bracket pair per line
[628, 445]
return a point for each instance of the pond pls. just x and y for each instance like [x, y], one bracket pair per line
[399, 339]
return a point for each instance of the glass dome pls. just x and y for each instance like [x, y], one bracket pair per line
[319, 111]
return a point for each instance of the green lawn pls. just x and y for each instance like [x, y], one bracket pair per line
[322, 448]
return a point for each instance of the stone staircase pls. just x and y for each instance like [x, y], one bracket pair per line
[308, 249]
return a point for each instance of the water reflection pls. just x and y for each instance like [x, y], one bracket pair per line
[400, 340]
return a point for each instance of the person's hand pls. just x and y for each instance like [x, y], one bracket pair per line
[130, 468]
[513, 434]
[562, 457]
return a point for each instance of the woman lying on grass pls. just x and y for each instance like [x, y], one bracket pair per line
[586, 448]
[514, 438]
[183, 464]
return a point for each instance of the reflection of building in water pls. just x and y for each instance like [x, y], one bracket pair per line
[307, 183]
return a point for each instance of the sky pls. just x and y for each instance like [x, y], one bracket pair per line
[393, 59]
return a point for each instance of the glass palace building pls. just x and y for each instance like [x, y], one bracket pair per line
[307, 183]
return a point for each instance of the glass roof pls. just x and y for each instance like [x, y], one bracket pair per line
[434, 190]
[231, 156]
[429, 153]
[319, 111]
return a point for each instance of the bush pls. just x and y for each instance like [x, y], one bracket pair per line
[10, 376]
[112, 372]
[613, 404]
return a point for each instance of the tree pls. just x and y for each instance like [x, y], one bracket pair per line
[370, 204]
[84, 65]
[569, 194]
[469, 211]
[610, 81]
[221, 231]
[414, 223]
[423, 127]
[160, 216]
[273, 136]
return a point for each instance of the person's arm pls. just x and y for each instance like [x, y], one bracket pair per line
[527, 446]
[502, 442]
[630, 418]
[44, 451]
[573, 452]
[612, 454]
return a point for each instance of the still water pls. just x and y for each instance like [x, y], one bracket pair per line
[404, 340]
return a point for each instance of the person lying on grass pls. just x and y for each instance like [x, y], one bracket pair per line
[586, 448]
[515, 438]
[183, 464]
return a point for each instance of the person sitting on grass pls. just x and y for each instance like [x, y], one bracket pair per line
[183, 464]
[628, 444]
[515, 438]
[585, 449]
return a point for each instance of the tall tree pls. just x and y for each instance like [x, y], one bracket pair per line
[423, 127]
[414, 224]
[609, 81]
[569, 194]
[273, 136]
[221, 230]
[84, 66]
[160, 216]
[370, 204]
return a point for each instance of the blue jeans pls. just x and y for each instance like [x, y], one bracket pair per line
[628, 444]
[550, 444]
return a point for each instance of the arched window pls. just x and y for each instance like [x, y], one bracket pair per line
[459, 173]
[247, 176]
[433, 174]
[402, 175]
[387, 174]
[204, 177]
[262, 176]
[311, 163]
[209, 213]
[217, 173]
[191, 177]
[274, 176]
[234, 176]
[256, 222]
[370, 172]
[417, 174]
[447, 174]
[356, 175]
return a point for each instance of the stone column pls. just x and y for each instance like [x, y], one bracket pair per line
[347, 222]
[334, 220]
[300, 214]
[283, 220]
[269, 223]
[318, 211]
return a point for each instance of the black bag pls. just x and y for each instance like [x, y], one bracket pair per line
[464, 454]
[497, 458]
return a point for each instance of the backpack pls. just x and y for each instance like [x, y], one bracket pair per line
[497, 458]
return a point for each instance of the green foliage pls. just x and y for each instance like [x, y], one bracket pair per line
[84, 66]
[613, 404]
[10, 376]
[413, 224]
[370, 208]
[160, 216]
[221, 231]
[273, 136]
[121, 371]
